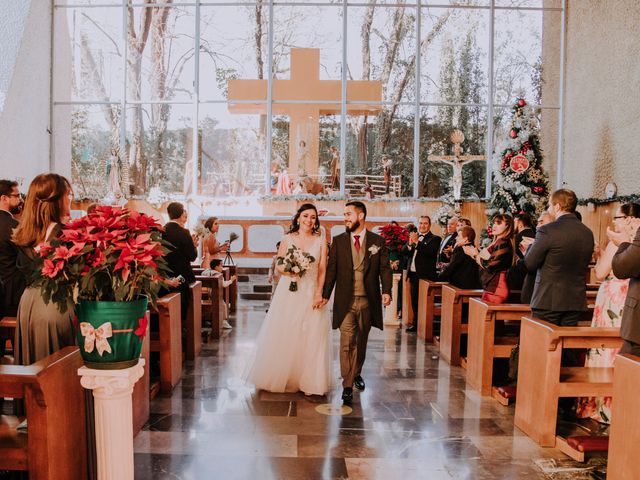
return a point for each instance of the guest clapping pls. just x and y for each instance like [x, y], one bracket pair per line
[495, 260]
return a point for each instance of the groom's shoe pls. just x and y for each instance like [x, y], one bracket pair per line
[347, 394]
[412, 329]
[358, 383]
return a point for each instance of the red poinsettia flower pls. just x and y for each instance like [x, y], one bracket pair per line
[141, 331]
[51, 269]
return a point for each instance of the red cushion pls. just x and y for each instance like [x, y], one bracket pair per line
[588, 443]
[507, 391]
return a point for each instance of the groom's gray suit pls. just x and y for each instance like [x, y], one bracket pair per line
[357, 303]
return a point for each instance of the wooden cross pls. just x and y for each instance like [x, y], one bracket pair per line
[304, 118]
[457, 161]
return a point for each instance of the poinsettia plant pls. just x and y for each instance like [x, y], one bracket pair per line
[395, 236]
[112, 254]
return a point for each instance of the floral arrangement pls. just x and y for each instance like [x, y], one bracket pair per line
[112, 254]
[297, 262]
[395, 236]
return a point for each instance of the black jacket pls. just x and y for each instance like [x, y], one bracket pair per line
[12, 280]
[182, 251]
[560, 254]
[377, 271]
[426, 256]
[462, 271]
[626, 264]
[447, 241]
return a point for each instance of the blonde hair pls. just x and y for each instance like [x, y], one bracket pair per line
[44, 205]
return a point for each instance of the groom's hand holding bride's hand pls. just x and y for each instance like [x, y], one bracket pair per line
[386, 299]
[319, 302]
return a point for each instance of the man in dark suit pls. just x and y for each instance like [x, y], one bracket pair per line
[446, 246]
[358, 264]
[560, 255]
[12, 281]
[422, 251]
[524, 228]
[626, 264]
[182, 251]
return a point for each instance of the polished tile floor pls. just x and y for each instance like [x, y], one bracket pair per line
[416, 419]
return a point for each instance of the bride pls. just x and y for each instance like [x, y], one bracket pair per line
[293, 348]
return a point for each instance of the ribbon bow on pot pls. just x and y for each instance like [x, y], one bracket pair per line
[96, 337]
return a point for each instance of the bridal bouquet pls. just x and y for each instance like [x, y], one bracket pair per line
[296, 261]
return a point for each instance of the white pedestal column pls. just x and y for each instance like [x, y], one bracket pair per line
[112, 391]
[391, 311]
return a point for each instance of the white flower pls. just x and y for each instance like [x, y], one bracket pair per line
[373, 249]
[295, 269]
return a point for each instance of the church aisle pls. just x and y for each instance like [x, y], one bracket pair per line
[415, 420]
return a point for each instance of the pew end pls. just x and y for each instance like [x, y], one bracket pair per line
[167, 341]
[542, 380]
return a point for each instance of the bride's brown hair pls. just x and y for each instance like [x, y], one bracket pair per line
[295, 222]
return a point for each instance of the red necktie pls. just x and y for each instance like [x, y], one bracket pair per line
[356, 239]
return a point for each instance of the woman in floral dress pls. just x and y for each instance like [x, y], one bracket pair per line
[607, 313]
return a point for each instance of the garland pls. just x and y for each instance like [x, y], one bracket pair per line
[634, 198]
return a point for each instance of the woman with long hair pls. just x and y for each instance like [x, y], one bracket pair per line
[610, 300]
[293, 348]
[211, 247]
[41, 328]
[496, 259]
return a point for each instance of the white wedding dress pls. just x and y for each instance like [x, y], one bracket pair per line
[293, 348]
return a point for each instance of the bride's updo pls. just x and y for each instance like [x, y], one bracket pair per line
[295, 222]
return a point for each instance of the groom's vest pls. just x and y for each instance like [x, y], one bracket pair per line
[358, 270]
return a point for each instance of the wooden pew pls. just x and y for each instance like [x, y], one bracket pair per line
[141, 397]
[542, 380]
[213, 303]
[194, 321]
[168, 341]
[7, 333]
[624, 440]
[428, 307]
[55, 446]
[451, 326]
[482, 344]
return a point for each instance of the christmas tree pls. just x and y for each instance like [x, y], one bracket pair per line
[520, 184]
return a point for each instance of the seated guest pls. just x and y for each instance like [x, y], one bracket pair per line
[608, 312]
[41, 328]
[462, 271]
[182, 251]
[560, 255]
[12, 280]
[495, 260]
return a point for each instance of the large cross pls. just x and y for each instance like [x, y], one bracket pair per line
[304, 118]
[457, 161]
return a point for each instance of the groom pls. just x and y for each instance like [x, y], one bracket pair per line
[358, 263]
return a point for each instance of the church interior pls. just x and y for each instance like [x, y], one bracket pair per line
[226, 120]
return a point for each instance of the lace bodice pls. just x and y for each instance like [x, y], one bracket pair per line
[314, 251]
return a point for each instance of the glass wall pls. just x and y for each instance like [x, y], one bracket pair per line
[182, 99]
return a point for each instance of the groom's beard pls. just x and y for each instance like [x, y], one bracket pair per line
[354, 226]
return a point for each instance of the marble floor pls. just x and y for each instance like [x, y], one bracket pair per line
[416, 419]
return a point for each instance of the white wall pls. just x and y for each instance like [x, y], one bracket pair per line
[24, 119]
[602, 96]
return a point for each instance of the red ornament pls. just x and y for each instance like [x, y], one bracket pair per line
[538, 189]
[519, 163]
[521, 102]
[513, 134]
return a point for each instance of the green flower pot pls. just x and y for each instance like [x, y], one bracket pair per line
[110, 334]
